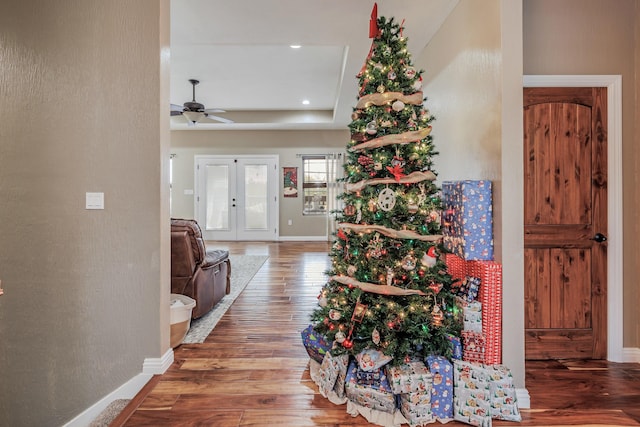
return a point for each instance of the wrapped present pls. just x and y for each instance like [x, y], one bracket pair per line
[490, 296]
[468, 288]
[441, 388]
[456, 346]
[456, 267]
[416, 407]
[472, 394]
[368, 377]
[473, 346]
[378, 397]
[504, 404]
[331, 369]
[409, 377]
[468, 219]
[316, 344]
[372, 360]
[472, 316]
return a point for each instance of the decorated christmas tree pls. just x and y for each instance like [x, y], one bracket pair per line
[388, 286]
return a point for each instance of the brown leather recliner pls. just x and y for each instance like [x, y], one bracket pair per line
[196, 272]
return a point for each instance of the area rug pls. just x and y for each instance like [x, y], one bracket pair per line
[243, 268]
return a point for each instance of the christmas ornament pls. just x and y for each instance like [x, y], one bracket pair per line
[386, 123]
[354, 116]
[347, 343]
[391, 75]
[430, 257]
[437, 316]
[349, 210]
[372, 205]
[409, 262]
[435, 287]
[375, 336]
[377, 166]
[322, 301]
[358, 211]
[397, 171]
[359, 312]
[372, 127]
[417, 85]
[381, 89]
[398, 106]
[351, 270]
[412, 208]
[410, 72]
[334, 314]
[387, 199]
[397, 161]
[340, 337]
[390, 275]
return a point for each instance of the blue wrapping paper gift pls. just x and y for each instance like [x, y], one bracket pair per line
[378, 396]
[441, 387]
[316, 344]
[468, 219]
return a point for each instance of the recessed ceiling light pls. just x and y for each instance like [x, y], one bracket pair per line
[305, 102]
[295, 46]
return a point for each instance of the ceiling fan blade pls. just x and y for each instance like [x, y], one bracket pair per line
[176, 107]
[176, 113]
[219, 119]
[214, 110]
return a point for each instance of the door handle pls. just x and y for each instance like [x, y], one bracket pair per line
[599, 237]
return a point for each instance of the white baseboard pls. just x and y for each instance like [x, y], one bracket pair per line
[630, 355]
[128, 390]
[303, 239]
[159, 366]
[524, 401]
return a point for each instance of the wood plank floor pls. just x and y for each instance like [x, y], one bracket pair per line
[252, 370]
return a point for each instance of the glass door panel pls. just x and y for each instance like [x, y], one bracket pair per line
[217, 177]
[236, 197]
[255, 197]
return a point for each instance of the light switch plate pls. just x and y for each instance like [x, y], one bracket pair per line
[95, 201]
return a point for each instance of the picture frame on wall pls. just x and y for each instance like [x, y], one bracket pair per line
[290, 181]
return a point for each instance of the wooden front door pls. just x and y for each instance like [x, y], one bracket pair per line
[565, 222]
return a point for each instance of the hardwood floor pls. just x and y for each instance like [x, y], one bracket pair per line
[252, 370]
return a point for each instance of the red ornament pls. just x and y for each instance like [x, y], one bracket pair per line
[347, 343]
[397, 172]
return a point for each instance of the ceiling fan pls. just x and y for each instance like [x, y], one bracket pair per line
[195, 112]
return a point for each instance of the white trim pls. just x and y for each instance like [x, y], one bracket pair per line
[615, 282]
[303, 238]
[630, 355]
[128, 390]
[522, 396]
[155, 366]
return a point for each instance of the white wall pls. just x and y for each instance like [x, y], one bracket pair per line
[473, 82]
[288, 145]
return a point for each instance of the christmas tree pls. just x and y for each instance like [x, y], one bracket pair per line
[388, 286]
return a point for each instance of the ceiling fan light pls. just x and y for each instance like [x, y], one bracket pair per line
[194, 116]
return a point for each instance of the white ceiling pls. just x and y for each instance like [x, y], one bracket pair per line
[240, 52]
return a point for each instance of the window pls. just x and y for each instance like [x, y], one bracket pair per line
[314, 185]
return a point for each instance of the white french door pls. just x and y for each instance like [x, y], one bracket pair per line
[237, 197]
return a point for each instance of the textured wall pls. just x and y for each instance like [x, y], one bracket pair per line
[80, 99]
[592, 37]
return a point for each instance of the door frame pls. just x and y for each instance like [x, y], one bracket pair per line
[613, 83]
[271, 157]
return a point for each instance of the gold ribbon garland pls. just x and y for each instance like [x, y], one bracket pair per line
[376, 289]
[412, 178]
[396, 138]
[389, 232]
[383, 98]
